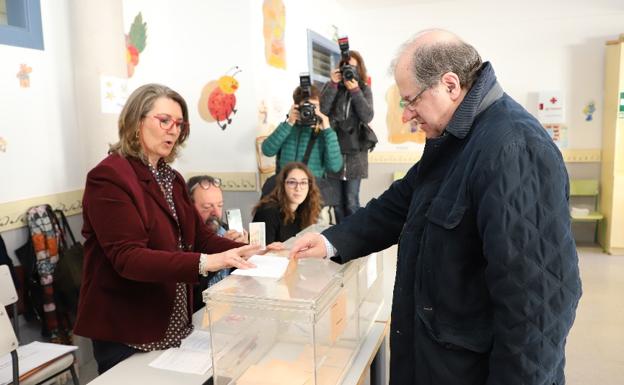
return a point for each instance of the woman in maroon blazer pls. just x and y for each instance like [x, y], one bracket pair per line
[145, 244]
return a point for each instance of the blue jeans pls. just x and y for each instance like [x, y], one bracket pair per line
[349, 197]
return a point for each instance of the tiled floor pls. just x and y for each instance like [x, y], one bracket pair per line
[595, 349]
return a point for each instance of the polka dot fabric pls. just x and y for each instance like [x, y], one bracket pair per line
[179, 322]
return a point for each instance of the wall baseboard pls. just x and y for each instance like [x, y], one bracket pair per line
[232, 181]
[13, 214]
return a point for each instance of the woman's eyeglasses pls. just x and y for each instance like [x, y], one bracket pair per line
[205, 183]
[166, 123]
[293, 183]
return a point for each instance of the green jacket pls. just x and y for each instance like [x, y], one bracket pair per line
[291, 142]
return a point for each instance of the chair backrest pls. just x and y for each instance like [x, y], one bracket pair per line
[8, 295]
[8, 340]
[584, 187]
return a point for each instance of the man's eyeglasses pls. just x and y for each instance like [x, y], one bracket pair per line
[166, 122]
[410, 104]
[293, 183]
[205, 183]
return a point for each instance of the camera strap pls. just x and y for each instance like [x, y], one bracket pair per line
[308, 150]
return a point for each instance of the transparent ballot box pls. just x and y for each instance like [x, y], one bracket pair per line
[302, 329]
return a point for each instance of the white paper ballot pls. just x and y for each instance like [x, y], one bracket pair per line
[257, 234]
[267, 265]
[235, 220]
[193, 355]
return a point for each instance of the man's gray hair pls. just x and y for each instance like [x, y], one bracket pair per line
[430, 61]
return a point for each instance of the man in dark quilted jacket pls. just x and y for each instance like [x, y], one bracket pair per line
[487, 279]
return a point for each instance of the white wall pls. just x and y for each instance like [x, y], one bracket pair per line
[533, 45]
[192, 42]
[43, 154]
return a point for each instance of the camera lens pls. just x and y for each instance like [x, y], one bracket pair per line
[307, 114]
[348, 72]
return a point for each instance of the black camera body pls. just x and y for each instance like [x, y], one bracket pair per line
[307, 110]
[348, 71]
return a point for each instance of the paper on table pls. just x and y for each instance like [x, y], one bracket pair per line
[31, 356]
[267, 265]
[193, 355]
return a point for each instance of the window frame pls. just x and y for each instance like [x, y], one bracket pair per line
[29, 34]
[315, 38]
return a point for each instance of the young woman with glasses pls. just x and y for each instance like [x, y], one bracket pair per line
[294, 203]
[145, 244]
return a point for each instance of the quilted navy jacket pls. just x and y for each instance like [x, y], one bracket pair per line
[487, 279]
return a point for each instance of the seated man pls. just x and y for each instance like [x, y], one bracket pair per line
[207, 196]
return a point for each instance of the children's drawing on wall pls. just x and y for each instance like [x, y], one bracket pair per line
[558, 133]
[264, 127]
[274, 29]
[217, 102]
[589, 110]
[136, 40]
[113, 94]
[24, 75]
[398, 130]
[3, 144]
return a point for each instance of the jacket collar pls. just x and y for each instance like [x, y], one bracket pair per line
[149, 183]
[481, 95]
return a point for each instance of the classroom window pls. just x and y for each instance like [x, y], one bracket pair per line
[20, 23]
[323, 56]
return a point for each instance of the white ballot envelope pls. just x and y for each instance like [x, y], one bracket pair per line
[234, 219]
[257, 234]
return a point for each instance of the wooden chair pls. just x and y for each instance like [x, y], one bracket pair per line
[43, 369]
[586, 188]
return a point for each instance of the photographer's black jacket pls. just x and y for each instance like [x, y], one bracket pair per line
[487, 280]
[346, 110]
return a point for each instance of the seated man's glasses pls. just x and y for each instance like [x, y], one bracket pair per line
[166, 122]
[205, 183]
[293, 183]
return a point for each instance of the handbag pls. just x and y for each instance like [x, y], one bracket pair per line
[368, 138]
[68, 272]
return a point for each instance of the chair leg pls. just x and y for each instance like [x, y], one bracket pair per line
[73, 374]
[15, 367]
[16, 322]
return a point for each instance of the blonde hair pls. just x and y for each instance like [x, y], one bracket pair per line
[140, 102]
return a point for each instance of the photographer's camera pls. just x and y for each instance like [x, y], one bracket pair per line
[348, 71]
[307, 110]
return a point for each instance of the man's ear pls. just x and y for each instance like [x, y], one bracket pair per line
[453, 86]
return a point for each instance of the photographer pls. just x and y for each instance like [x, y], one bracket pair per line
[348, 101]
[305, 136]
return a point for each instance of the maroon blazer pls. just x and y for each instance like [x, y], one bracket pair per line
[131, 260]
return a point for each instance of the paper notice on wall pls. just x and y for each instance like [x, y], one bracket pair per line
[558, 133]
[551, 107]
[113, 94]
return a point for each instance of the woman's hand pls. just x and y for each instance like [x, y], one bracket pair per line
[336, 76]
[232, 258]
[324, 120]
[351, 84]
[293, 115]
